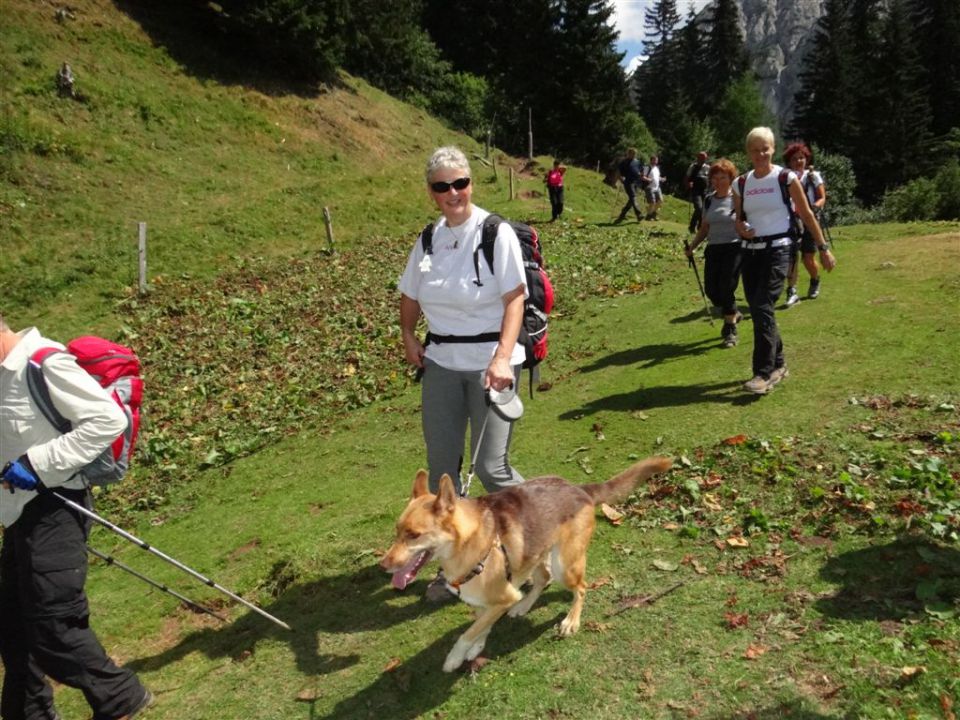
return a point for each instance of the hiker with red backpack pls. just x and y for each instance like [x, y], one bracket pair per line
[44, 615]
[767, 200]
[474, 313]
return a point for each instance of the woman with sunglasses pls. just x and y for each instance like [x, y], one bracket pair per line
[473, 319]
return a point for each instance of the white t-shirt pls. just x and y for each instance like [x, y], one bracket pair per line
[763, 202]
[653, 172]
[444, 284]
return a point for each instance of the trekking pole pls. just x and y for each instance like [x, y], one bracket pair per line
[163, 556]
[159, 586]
[696, 274]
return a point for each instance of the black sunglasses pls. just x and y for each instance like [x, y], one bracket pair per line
[442, 187]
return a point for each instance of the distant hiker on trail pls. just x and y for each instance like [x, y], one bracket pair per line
[630, 174]
[554, 181]
[721, 273]
[44, 616]
[65, 81]
[651, 187]
[764, 200]
[696, 182]
[798, 156]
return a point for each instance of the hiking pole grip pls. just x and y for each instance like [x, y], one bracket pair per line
[163, 556]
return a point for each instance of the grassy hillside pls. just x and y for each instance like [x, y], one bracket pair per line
[218, 164]
[813, 531]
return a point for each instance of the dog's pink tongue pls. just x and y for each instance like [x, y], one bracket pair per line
[403, 576]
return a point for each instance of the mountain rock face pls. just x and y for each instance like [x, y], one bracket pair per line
[778, 35]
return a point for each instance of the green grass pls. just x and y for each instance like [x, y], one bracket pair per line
[282, 433]
[835, 599]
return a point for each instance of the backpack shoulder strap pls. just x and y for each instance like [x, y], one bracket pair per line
[37, 386]
[784, 188]
[491, 226]
[741, 186]
[426, 239]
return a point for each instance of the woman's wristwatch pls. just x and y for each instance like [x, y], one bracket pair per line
[824, 247]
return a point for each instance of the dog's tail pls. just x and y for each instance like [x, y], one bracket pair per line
[618, 488]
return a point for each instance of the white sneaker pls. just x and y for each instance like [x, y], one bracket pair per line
[792, 297]
[758, 385]
[778, 374]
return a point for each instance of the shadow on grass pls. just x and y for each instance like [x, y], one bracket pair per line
[348, 603]
[891, 582]
[794, 710]
[729, 392]
[189, 33]
[650, 355]
[417, 686]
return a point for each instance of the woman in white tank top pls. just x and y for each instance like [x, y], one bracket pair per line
[764, 223]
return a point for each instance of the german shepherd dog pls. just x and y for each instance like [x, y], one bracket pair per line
[490, 546]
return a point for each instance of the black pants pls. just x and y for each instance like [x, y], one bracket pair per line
[721, 275]
[631, 191]
[695, 218]
[556, 201]
[764, 273]
[45, 619]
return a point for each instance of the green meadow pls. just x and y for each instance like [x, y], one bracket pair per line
[800, 561]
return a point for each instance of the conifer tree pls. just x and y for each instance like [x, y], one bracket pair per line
[824, 105]
[937, 39]
[900, 113]
[726, 54]
[660, 20]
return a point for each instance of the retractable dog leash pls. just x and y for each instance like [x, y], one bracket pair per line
[507, 404]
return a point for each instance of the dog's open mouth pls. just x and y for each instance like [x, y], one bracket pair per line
[405, 575]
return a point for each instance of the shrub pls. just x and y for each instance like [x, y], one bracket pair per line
[947, 182]
[917, 200]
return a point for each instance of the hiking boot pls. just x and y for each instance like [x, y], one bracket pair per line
[146, 702]
[792, 297]
[729, 335]
[437, 591]
[814, 288]
[759, 385]
[778, 374]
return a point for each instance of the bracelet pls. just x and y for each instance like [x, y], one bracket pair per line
[823, 248]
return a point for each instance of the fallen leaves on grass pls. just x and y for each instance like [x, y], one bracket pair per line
[392, 665]
[733, 620]
[735, 440]
[612, 514]
[738, 542]
[755, 651]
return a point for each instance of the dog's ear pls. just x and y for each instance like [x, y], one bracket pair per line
[447, 496]
[420, 484]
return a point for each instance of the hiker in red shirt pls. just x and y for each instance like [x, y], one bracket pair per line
[554, 182]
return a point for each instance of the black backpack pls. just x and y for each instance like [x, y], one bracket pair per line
[536, 308]
[796, 230]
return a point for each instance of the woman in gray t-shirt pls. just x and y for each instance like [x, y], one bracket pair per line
[721, 273]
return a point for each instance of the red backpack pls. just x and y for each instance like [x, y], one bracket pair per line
[117, 369]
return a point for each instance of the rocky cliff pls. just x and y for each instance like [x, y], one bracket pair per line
[778, 35]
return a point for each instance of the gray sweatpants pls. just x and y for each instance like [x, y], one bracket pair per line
[451, 399]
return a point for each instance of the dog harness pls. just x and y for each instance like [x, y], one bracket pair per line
[454, 586]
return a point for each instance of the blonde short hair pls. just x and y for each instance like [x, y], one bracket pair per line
[448, 157]
[761, 133]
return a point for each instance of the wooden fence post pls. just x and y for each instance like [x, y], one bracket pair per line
[329, 225]
[511, 183]
[142, 232]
